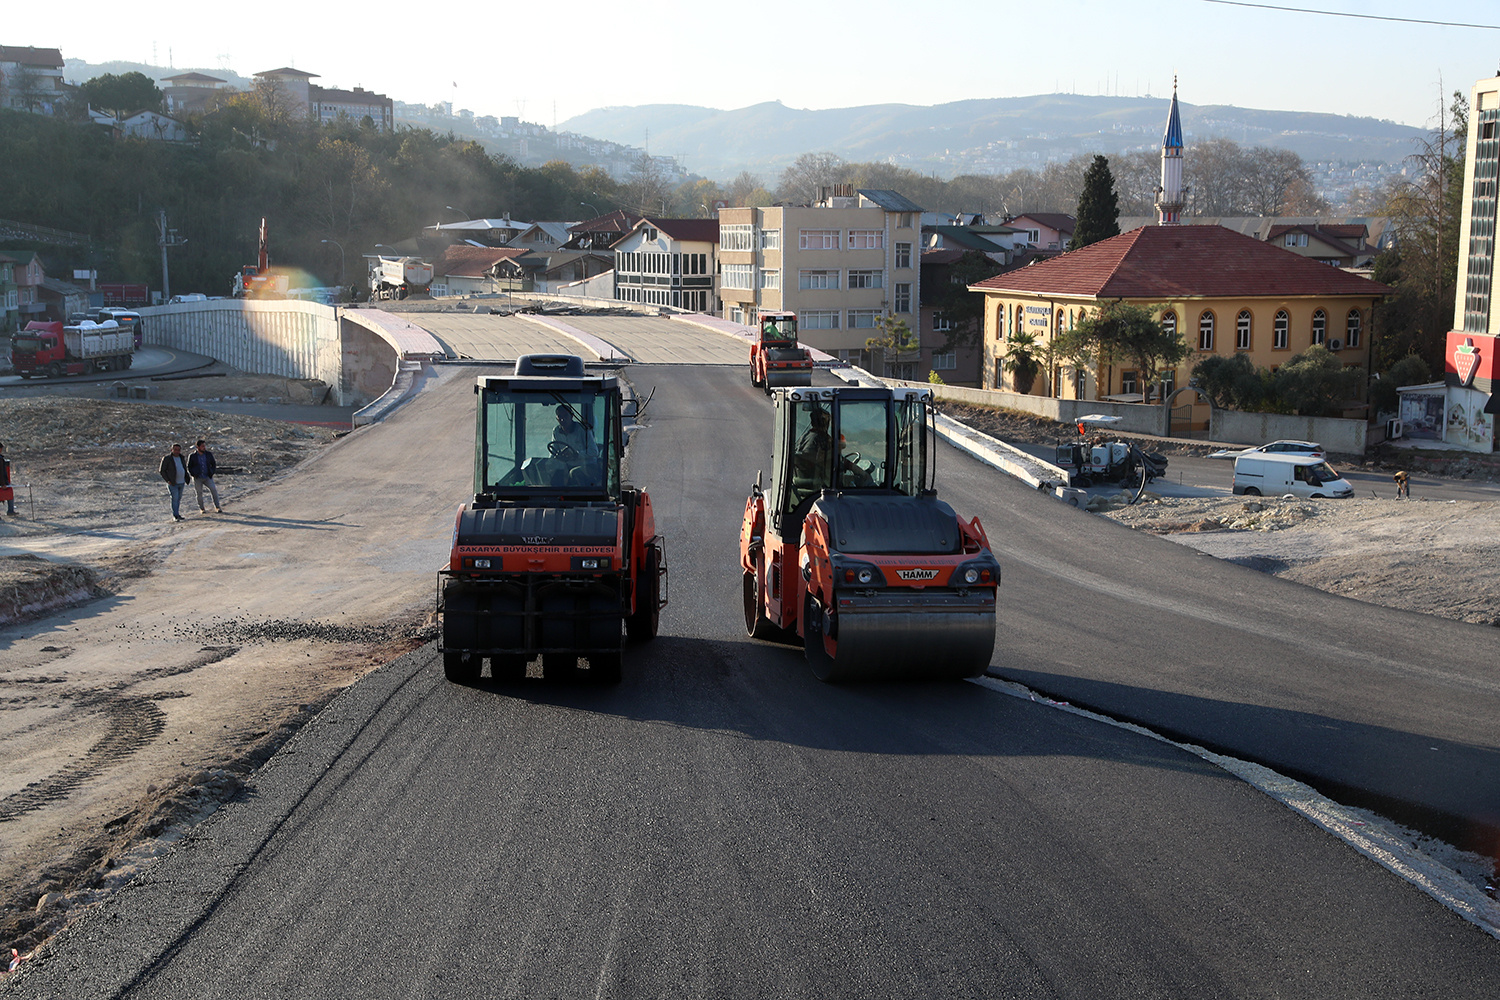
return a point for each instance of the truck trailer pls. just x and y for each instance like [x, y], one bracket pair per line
[51, 349]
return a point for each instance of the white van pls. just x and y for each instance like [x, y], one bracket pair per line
[1264, 474]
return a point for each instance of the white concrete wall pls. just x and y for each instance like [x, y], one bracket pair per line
[291, 339]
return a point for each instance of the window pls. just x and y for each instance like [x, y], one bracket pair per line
[867, 239]
[1128, 382]
[1206, 332]
[818, 239]
[770, 239]
[1168, 323]
[945, 362]
[1319, 326]
[903, 221]
[818, 319]
[866, 279]
[1295, 240]
[1279, 330]
[1057, 329]
[739, 276]
[770, 278]
[1352, 325]
[1242, 331]
[649, 234]
[863, 319]
[903, 255]
[817, 279]
[1033, 236]
[941, 323]
[736, 315]
[737, 237]
[903, 297]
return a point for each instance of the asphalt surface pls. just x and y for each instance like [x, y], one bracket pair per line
[146, 362]
[721, 824]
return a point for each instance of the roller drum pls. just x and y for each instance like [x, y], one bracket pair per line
[882, 639]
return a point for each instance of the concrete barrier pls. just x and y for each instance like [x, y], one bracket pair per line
[359, 353]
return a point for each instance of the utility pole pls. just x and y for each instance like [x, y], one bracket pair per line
[166, 238]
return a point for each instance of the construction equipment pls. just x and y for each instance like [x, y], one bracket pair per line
[554, 552]
[399, 277]
[1103, 461]
[258, 281]
[777, 359]
[848, 550]
[50, 349]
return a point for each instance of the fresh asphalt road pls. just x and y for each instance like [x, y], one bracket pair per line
[146, 362]
[721, 824]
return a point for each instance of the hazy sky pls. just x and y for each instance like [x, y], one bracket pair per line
[547, 62]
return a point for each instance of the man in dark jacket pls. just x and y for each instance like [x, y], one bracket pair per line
[201, 466]
[174, 471]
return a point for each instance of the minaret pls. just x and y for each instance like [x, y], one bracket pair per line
[1169, 200]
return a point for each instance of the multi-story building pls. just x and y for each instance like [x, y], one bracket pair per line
[326, 104]
[840, 265]
[668, 262]
[189, 92]
[1461, 411]
[31, 79]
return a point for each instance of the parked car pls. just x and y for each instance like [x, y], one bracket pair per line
[1287, 447]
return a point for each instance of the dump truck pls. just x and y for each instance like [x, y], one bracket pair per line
[51, 349]
[847, 551]
[777, 359]
[554, 553]
[399, 277]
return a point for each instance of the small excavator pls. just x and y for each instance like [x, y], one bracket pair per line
[847, 551]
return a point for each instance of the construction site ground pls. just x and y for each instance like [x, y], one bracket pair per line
[93, 517]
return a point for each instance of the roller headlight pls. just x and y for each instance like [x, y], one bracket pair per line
[864, 576]
[971, 575]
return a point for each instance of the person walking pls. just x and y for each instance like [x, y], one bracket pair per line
[201, 466]
[174, 471]
[7, 491]
[1403, 485]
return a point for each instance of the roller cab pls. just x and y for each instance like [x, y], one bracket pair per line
[847, 551]
[553, 554]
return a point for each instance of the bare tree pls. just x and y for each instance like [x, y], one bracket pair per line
[1136, 177]
[648, 190]
[808, 173]
[740, 189]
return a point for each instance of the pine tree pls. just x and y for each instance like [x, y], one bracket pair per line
[1098, 207]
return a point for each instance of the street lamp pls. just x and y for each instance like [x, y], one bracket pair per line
[591, 208]
[460, 211]
[341, 258]
[391, 249]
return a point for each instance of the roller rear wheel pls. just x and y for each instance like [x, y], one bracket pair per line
[757, 625]
[642, 626]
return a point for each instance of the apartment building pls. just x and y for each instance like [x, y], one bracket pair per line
[667, 262]
[840, 265]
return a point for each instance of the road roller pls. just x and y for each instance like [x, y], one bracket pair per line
[847, 550]
[554, 555]
[777, 359]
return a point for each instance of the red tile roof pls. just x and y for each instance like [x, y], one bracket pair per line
[1169, 262]
[473, 262]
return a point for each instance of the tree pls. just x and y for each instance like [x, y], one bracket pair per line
[1426, 213]
[1230, 383]
[961, 308]
[1124, 332]
[647, 191]
[1098, 213]
[122, 95]
[1022, 354]
[895, 339]
[1410, 370]
[741, 188]
[1313, 383]
[808, 174]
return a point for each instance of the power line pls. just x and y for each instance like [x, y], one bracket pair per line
[1366, 17]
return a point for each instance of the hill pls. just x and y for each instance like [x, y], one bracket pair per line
[976, 136]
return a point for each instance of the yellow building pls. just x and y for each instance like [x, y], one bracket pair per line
[1227, 293]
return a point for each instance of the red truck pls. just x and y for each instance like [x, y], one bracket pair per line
[51, 349]
[776, 358]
